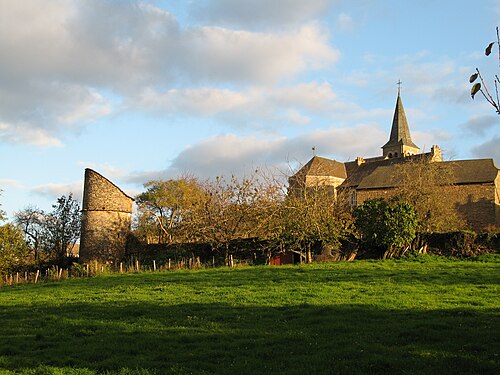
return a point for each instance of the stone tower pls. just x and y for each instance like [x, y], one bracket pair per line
[106, 219]
[400, 143]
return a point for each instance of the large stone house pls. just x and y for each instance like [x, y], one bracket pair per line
[473, 187]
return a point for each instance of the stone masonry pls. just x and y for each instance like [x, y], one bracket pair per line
[106, 219]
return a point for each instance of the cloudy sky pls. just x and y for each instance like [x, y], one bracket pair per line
[148, 89]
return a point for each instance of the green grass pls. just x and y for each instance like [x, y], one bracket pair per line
[421, 316]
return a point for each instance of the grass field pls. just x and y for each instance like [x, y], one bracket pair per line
[423, 316]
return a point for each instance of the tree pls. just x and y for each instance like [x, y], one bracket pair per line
[62, 227]
[481, 86]
[13, 249]
[311, 216]
[239, 208]
[422, 184]
[31, 221]
[390, 227]
[2, 213]
[166, 204]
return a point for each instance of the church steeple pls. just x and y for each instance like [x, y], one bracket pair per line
[400, 143]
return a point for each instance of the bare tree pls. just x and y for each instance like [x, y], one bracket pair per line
[316, 215]
[422, 184]
[238, 208]
[481, 86]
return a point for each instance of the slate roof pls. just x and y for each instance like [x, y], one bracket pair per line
[319, 166]
[400, 131]
[464, 172]
[474, 171]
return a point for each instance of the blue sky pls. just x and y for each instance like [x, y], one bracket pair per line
[155, 89]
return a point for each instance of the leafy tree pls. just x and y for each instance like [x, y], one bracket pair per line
[32, 222]
[166, 204]
[390, 227]
[62, 227]
[481, 86]
[2, 213]
[13, 248]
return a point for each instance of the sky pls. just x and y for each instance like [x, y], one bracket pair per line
[141, 90]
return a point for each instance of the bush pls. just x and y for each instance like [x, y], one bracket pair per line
[390, 228]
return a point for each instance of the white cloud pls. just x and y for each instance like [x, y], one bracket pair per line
[259, 13]
[231, 154]
[255, 106]
[242, 56]
[27, 133]
[54, 191]
[63, 69]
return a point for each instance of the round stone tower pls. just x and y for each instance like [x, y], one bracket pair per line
[106, 219]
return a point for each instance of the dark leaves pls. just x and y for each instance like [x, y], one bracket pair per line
[488, 49]
[475, 89]
[473, 77]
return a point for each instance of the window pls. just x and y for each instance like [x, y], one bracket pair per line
[353, 198]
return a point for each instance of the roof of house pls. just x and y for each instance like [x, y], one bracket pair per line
[474, 171]
[464, 172]
[319, 166]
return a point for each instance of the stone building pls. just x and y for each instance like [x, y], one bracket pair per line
[474, 189]
[106, 219]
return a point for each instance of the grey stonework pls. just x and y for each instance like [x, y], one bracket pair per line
[106, 219]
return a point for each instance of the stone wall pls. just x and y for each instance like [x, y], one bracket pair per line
[106, 219]
[478, 204]
[363, 195]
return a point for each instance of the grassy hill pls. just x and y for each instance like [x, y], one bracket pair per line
[421, 316]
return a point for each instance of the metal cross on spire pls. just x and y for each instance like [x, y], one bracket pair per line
[399, 86]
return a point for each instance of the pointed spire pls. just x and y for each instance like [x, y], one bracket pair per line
[400, 131]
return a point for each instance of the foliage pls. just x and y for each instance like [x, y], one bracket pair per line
[394, 317]
[481, 86]
[422, 184]
[389, 226]
[31, 221]
[62, 227]
[236, 209]
[165, 205]
[2, 213]
[13, 249]
[316, 216]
